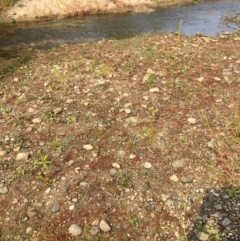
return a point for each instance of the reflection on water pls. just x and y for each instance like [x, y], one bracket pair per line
[206, 18]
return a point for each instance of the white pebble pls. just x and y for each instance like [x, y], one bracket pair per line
[88, 147]
[174, 178]
[75, 230]
[192, 120]
[147, 165]
[22, 156]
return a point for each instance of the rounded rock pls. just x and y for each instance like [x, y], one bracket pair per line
[202, 236]
[174, 178]
[192, 120]
[179, 163]
[116, 165]
[55, 208]
[147, 165]
[3, 190]
[22, 156]
[104, 226]
[113, 172]
[88, 147]
[75, 230]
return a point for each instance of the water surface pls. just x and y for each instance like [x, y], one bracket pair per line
[206, 18]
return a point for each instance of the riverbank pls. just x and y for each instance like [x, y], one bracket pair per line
[133, 139]
[25, 10]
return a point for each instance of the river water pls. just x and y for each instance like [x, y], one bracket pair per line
[207, 18]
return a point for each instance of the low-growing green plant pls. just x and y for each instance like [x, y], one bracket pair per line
[134, 221]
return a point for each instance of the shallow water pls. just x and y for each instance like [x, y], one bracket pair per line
[206, 18]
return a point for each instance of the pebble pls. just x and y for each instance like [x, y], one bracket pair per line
[146, 97]
[169, 202]
[28, 230]
[211, 143]
[131, 119]
[128, 111]
[55, 208]
[57, 111]
[121, 153]
[192, 120]
[22, 156]
[75, 230]
[36, 120]
[179, 163]
[147, 165]
[2, 153]
[153, 90]
[202, 236]
[174, 178]
[88, 147]
[3, 190]
[218, 206]
[132, 156]
[187, 180]
[2, 121]
[104, 226]
[16, 79]
[226, 222]
[94, 230]
[71, 207]
[84, 184]
[116, 165]
[216, 78]
[113, 172]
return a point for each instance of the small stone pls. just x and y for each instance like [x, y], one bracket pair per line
[2, 153]
[218, 206]
[211, 143]
[216, 78]
[17, 149]
[31, 110]
[169, 202]
[116, 165]
[96, 222]
[48, 190]
[131, 119]
[84, 184]
[174, 178]
[22, 156]
[104, 226]
[147, 165]
[71, 207]
[121, 153]
[113, 172]
[55, 208]
[75, 230]
[94, 230]
[153, 90]
[187, 180]
[16, 79]
[226, 222]
[146, 97]
[28, 230]
[36, 120]
[132, 156]
[3, 190]
[202, 236]
[128, 111]
[88, 147]
[192, 120]
[179, 163]
[57, 111]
